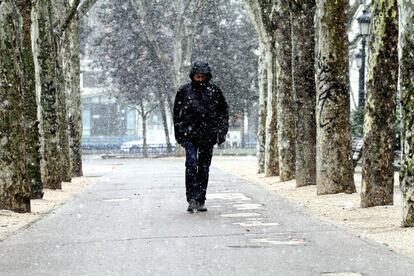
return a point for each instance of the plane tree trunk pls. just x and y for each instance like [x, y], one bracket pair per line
[304, 90]
[45, 56]
[14, 188]
[334, 170]
[380, 106]
[286, 110]
[406, 83]
[31, 124]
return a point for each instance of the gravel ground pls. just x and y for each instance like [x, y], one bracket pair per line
[93, 168]
[381, 224]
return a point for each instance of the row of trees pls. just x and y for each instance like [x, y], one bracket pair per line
[40, 127]
[304, 124]
[294, 49]
[40, 94]
[158, 41]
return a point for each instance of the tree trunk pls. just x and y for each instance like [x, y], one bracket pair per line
[304, 91]
[144, 135]
[183, 39]
[14, 188]
[165, 122]
[271, 151]
[66, 168]
[285, 105]
[74, 100]
[242, 129]
[60, 11]
[334, 170]
[406, 83]
[71, 70]
[170, 103]
[261, 131]
[45, 56]
[144, 130]
[378, 153]
[29, 105]
[265, 19]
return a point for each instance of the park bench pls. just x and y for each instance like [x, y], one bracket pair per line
[356, 150]
[357, 145]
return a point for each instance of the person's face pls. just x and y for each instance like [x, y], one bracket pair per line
[200, 77]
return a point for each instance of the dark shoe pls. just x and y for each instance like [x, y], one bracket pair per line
[192, 206]
[201, 208]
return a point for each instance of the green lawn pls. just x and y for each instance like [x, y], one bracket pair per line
[235, 151]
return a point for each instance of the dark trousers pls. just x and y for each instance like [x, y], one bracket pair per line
[197, 167]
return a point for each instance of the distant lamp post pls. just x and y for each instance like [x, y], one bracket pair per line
[364, 21]
[358, 59]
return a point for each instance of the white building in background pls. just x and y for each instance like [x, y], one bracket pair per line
[107, 120]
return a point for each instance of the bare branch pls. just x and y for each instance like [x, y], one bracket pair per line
[85, 7]
[61, 29]
[140, 9]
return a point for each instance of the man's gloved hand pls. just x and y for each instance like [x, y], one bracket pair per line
[180, 141]
[221, 138]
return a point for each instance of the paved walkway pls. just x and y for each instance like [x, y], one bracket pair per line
[133, 222]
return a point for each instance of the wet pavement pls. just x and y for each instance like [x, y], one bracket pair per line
[133, 221]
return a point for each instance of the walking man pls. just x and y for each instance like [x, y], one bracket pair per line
[200, 121]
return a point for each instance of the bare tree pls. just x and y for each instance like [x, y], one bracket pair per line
[186, 14]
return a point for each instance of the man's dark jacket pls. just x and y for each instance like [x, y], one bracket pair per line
[200, 111]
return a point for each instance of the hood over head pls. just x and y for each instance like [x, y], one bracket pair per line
[201, 67]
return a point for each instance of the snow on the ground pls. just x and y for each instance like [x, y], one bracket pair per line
[11, 222]
[381, 224]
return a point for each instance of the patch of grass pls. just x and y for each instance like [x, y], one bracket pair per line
[235, 151]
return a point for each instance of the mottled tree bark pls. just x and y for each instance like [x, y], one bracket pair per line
[70, 28]
[66, 165]
[31, 123]
[406, 83]
[74, 100]
[45, 56]
[14, 187]
[261, 131]
[380, 107]
[334, 170]
[264, 18]
[304, 90]
[285, 105]
[253, 9]
[271, 151]
[60, 10]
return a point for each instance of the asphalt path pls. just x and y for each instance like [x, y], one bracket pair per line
[133, 221]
